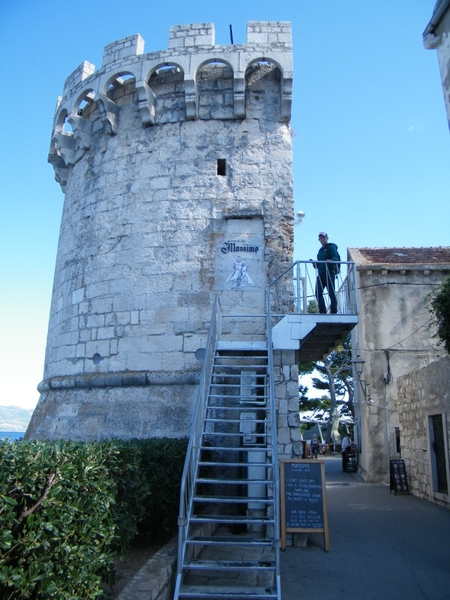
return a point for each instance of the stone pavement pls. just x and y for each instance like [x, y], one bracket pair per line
[382, 545]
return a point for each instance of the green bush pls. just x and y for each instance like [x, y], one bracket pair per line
[57, 521]
[68, 509]
[162, 462]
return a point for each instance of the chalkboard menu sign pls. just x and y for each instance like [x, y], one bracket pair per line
[303, 498]
[399, 481]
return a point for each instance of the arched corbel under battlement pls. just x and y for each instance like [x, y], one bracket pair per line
[283, 63]
[119, 88]
[239, 95]
[63, 146]
[191, 98]
[286, 98]
[84, 104]
[61, 120]
[260, 68]
[214, 79]
[164, 80]
[79, 120]
[115, 91]
[146, 103]
[82, 130]
[109, 114]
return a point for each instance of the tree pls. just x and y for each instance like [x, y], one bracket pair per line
[335, 377]
[440, 307]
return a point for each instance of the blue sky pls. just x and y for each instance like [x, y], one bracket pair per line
[371, 143]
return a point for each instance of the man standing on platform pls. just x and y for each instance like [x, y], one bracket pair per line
[327, 269]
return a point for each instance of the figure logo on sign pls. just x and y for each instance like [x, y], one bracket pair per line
[239, 275]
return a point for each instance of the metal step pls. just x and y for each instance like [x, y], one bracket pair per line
[237, 385]
[232, 481]
[231, 540]
[226, 401]
[219, 565]
[241, 346]
[253, 593]
[233, 499]
[240, 449]
[231, 387]
[209, 435]
[232, 519]
[241, 406]
[223, 368]
[226, 394]
[234, 421]
[234, 464]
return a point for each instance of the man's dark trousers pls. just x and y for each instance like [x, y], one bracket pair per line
[326, 280]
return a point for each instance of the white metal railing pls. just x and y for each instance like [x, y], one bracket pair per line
[274, 445]
[194, 446]
[193, 449]
[295, 291]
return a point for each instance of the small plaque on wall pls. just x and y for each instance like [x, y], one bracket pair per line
[240, 256]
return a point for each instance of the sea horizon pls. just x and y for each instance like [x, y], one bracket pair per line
[12, 435]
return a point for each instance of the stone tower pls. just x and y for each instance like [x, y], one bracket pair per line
[176, 168]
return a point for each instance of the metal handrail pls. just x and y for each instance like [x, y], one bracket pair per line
[295, 290]
[193, 449]
[274, 434]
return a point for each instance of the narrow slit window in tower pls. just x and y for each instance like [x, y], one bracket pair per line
[221, 166]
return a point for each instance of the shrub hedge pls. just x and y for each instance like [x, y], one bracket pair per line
[68, 509]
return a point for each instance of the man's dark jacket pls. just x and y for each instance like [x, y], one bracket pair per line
[328, 252]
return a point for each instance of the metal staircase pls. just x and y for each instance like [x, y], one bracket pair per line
[229, 522]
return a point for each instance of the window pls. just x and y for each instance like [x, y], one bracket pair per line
[221, 166]
[398, 447]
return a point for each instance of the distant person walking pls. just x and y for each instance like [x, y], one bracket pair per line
[327, 269]
[345, 449]
[314, 447]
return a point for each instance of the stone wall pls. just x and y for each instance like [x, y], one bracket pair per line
[394, 336]
[421, 394]
[438, 38]
[286, 392]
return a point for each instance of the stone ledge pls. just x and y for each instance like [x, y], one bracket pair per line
[118, 379]
[154, 581]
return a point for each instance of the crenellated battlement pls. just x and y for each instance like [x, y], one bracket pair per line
[123, 49]
[189, 36]
[90, 97]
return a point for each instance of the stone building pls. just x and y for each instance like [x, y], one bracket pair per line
[437, 37]
[399, 389]
[176, 169]
[424, 415]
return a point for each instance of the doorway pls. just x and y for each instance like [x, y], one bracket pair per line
[437, 454]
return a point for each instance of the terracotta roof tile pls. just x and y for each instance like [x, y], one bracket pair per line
[430, 256]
